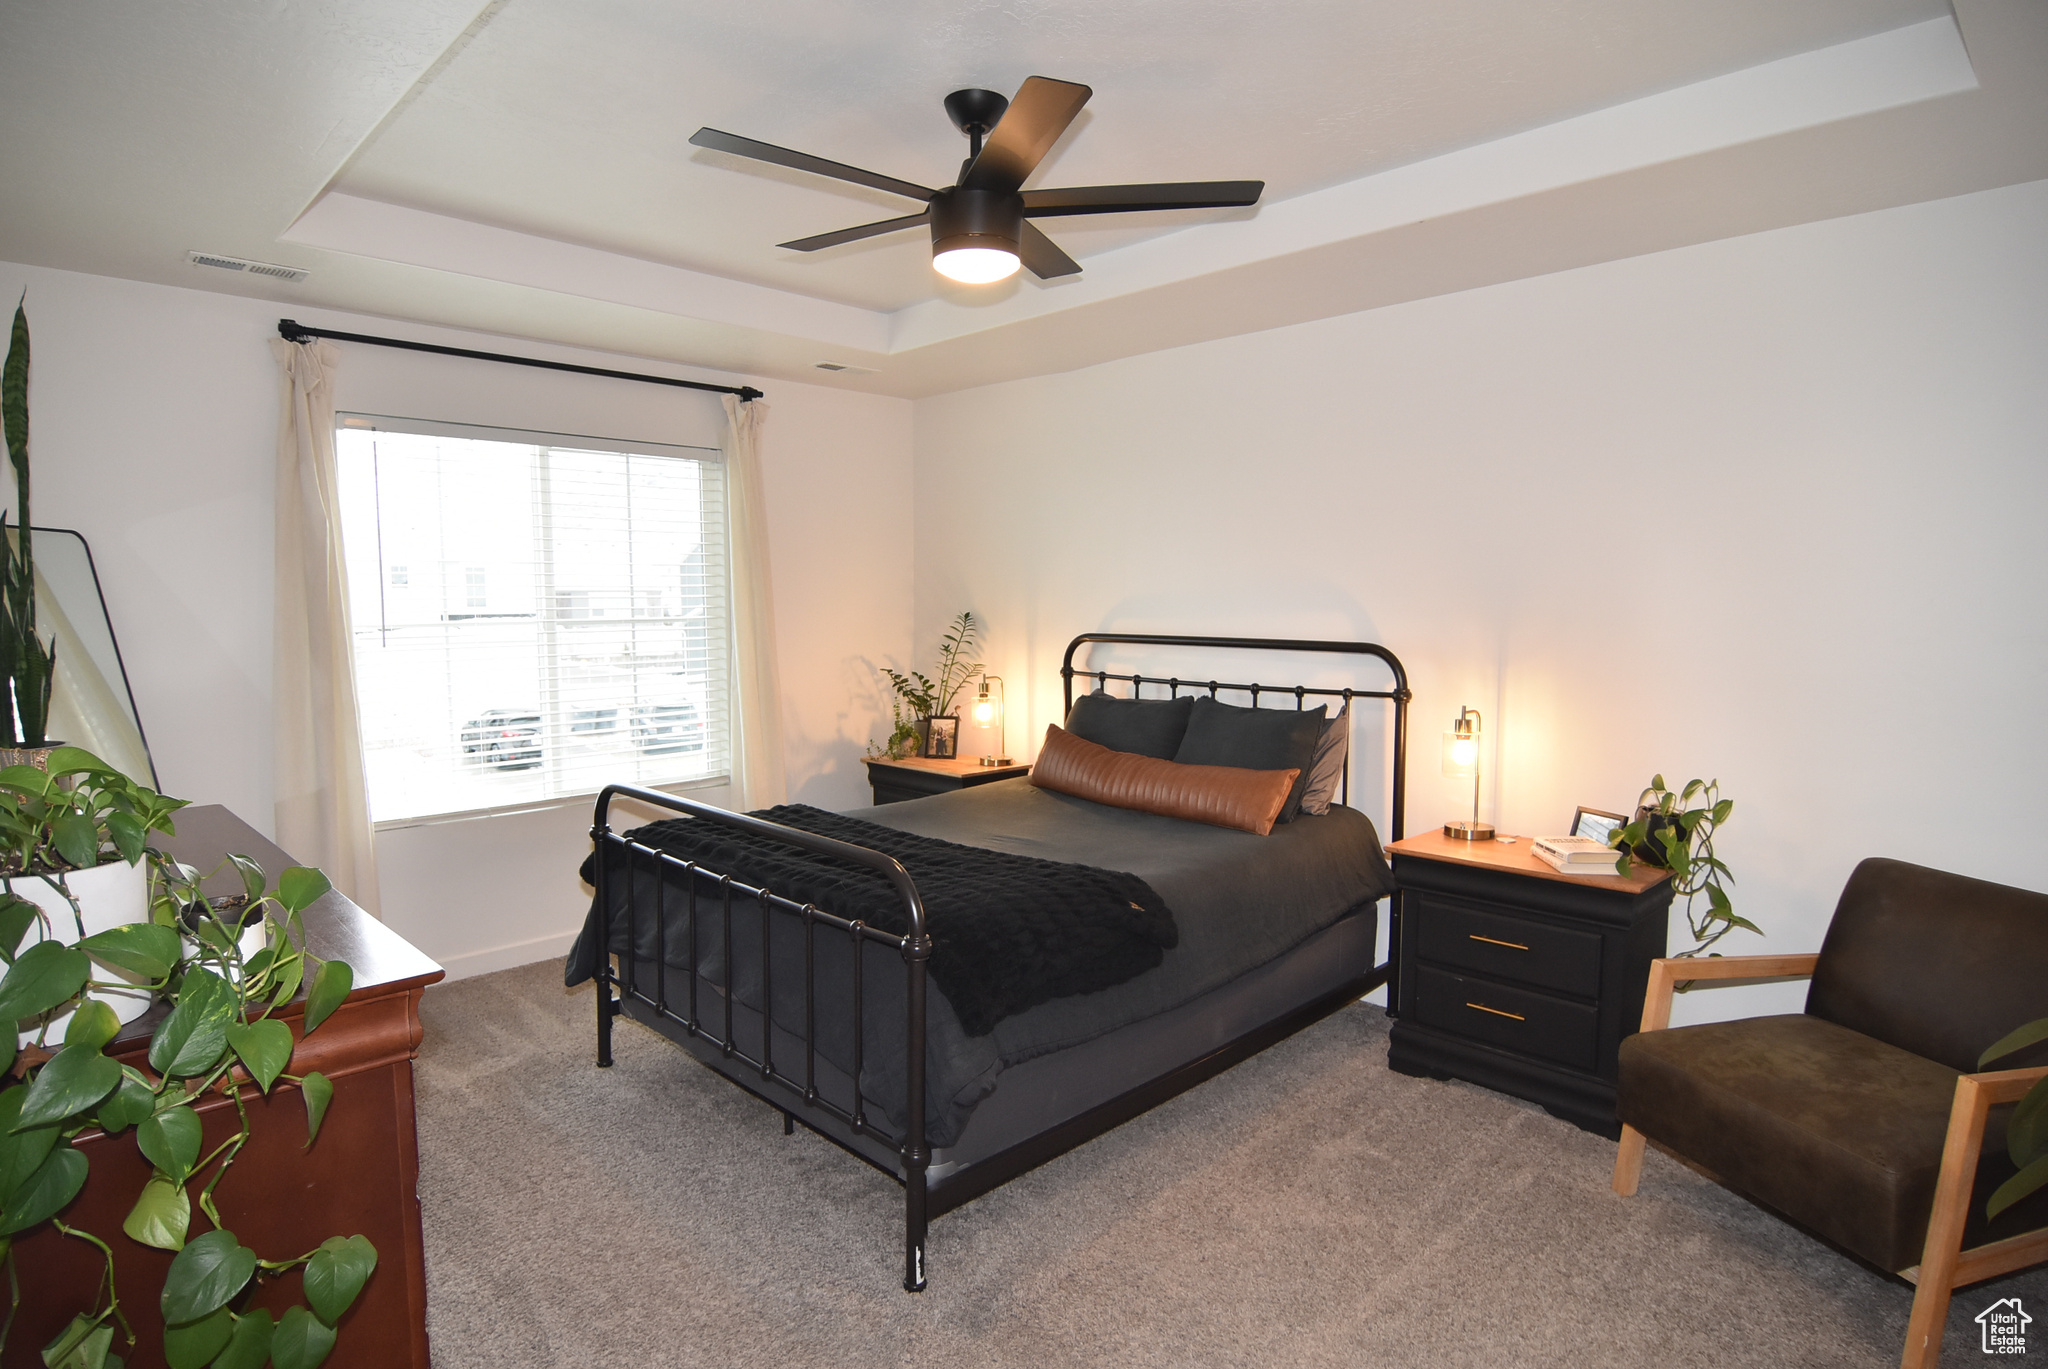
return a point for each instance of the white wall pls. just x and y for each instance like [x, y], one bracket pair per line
[154, 417]
[1766, 510]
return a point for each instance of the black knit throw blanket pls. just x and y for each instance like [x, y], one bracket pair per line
[1008, 932]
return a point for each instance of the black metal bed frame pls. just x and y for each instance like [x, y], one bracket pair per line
[643, 992]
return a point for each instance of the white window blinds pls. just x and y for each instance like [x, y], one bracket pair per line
[535, 616]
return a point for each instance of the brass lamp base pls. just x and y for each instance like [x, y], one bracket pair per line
[1469, 831]
[995, 760]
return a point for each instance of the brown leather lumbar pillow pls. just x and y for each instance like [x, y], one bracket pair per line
[1220, 795]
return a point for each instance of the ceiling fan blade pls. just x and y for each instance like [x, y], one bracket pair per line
[866, 230]
[1026, 132]
[804, 161]
[1119, 199]
[1043, 255]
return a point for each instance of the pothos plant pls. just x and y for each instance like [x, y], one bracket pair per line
[220, 1038]
[1671, 831]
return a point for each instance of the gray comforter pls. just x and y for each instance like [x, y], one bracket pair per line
[1239, 901]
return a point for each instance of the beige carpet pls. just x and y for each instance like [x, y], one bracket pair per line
[1306, 1208]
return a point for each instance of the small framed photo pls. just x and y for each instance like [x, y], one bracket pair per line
[942, 737]
[1601, 827]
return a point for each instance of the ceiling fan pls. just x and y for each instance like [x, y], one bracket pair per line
[981, 226]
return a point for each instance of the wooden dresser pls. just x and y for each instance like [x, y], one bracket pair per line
[362, 1175]
[1521, 978]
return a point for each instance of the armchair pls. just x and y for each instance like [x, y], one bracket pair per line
[1860, 1119]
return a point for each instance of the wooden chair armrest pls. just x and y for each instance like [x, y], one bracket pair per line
[1666, 973]
[1944, 1264]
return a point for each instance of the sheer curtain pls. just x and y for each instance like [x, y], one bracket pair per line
[323, 806]
[757, 778]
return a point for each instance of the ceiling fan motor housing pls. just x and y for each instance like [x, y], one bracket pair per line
[977, 218]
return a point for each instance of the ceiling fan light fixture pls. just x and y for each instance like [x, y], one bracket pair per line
[975, 265]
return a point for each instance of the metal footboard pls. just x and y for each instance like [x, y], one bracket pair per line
[646, 991]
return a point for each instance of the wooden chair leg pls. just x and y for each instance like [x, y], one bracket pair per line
[1945, 1227]
[1628, 1162]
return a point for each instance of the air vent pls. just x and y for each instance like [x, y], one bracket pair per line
[842, 366]
[254, 268]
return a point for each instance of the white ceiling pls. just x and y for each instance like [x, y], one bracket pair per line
[523, 167]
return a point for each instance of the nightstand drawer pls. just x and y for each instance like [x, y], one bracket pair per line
[1519, 1020]
[1500, 946]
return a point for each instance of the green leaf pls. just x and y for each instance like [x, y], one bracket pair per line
[264, 1047]
[21, 1152]
[290, 974]
[300, 886]
[253, 878]
[27, 779]
[191, 1040]
[56, 1182]
[77, 839]
[17, 915]
[210, 1269]
[193, 1345]
[2034, 1176]
[251, 1343]
[319, 1091]
[129, 1103]
[330, 987]
[160, 1218]
[92, 1025]
[171, 1141]
[2015, 1041]
[75, 1079]
[1722, 810]
[302, 1340]
[141, 948]
[40, 978]
[131, 838]
[76, 760]
[2026, 1132]
[336, 1274]
[1745, 924]
[81, 1345]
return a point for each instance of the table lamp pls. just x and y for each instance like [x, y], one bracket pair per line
[1461, 758]
[990, 710]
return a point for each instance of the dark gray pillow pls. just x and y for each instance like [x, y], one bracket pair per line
[1143, 727]
[1254, 739]
[1326, 769]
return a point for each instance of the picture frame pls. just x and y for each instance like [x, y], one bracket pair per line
[942, 737]
[1597, 824]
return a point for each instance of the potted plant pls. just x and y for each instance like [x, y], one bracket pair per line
[1671, 831]
[27, 665]
[926, 698]
[72, 841]
[221, 1038]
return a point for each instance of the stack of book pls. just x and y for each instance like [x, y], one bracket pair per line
[1577, 855]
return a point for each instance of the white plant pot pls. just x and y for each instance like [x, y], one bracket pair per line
[253, 939]
[110, 895]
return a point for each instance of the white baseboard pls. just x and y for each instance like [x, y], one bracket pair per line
[472, 963]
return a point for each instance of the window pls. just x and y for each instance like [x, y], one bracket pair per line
[535, 616]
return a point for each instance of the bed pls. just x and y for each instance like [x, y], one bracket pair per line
[794, 961]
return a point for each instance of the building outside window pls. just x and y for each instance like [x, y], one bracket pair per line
[535, 616]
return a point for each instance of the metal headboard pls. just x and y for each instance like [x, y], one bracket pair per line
[1398, 696]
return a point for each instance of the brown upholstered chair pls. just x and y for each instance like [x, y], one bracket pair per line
[1859, 1118]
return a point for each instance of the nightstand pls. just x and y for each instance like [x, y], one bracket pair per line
[915, 777]
[1520, 978]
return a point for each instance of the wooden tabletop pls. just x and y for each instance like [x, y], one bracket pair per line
[1516, 858]
[959, 765]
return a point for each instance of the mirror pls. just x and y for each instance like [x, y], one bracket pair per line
[90, 702]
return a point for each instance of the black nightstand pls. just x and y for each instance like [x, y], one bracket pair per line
[1520, 978]
[916, 778]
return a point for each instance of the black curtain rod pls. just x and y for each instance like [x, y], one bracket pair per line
[293, 331]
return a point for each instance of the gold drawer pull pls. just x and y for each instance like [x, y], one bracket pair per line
[1493, 941]
[1497, 1012]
